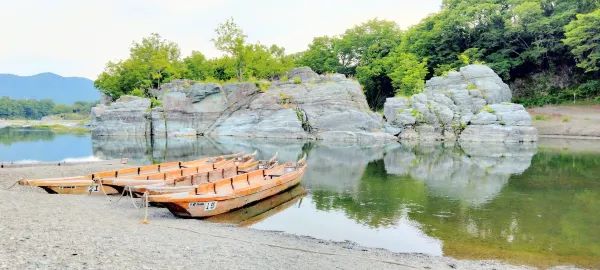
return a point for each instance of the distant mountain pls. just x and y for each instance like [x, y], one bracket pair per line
[65, 90]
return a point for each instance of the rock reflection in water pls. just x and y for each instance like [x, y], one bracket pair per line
[473, 173]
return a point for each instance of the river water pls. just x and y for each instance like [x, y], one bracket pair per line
[534, 204]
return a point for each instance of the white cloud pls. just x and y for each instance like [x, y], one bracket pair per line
[77, 37]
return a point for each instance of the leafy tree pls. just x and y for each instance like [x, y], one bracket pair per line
[232, 40]
[320, 56]
[150, 63]
[583, 37]
[197, 66]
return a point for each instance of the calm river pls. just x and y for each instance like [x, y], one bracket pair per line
[535, 204]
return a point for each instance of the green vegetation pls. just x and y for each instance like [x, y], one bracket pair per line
[297, 80]
[488, 109]
[262, 86]
[566, 119]
[547, 48]
[285, 99]
[549, 51]
[155, 61]
[541, 117]
[285, 78]
[36, 109]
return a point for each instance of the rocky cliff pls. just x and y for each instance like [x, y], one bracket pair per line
[318, 107]
[472, 105]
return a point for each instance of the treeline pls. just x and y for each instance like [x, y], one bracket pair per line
[36, 109]
[155, 61]
[549, 51]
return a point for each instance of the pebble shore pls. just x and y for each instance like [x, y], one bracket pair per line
[44, 231]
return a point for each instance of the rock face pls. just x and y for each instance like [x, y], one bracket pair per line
[128, 115]
[320, 107]
[471, 105]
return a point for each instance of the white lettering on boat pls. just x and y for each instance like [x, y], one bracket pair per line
[208, 206]
[93, 188]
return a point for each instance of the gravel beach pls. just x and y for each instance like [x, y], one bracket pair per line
[39, 230]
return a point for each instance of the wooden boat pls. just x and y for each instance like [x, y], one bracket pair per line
[62, 163]
[228, 194]
[261, 210]
[189, 183]
[89, 184]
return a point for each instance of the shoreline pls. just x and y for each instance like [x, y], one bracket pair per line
[70, 231]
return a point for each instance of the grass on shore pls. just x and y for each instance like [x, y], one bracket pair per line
[63, 129]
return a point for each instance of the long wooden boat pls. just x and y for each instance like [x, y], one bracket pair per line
[186, 177]
[189, 183]
[228, 194]
[89, 184]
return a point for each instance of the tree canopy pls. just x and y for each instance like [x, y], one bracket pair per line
[547, 50]
[155, 61]
[531, 42]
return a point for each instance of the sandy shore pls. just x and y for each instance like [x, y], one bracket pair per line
[39, 230]
[580, 122]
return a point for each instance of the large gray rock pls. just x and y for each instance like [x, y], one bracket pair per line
[305, 74]
[498, 133]
[466, 101]
[394, 106]
[328, 107]
[127, 116]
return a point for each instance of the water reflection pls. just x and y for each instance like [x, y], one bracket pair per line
[522, 203]
[263, 209]
[21, 144]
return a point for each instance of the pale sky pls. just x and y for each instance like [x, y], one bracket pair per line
[78, 37]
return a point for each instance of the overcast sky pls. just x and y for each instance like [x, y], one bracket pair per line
[77, 37]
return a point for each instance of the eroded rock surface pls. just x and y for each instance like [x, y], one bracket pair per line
[470, 105]
[320, 107]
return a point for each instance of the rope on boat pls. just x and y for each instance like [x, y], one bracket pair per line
[145, 221]
[289, 248]
[13, 185]
[133, 199]
[106, 195]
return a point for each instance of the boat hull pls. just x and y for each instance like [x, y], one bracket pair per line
[212, 208]
[81, 189]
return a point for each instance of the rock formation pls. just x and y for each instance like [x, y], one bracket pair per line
[319, 107]
[472, 105]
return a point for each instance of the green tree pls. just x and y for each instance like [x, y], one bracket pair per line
[583, 37]
[152, 62]
[196, 66]
[320, 56]
[232, 40]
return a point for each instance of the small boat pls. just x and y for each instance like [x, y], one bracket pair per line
[163, 171]
[189, 183]
[228, 194]
[261, 210]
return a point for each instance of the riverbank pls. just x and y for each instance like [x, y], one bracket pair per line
[582, 122]
[62, 231]
[59, 126]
